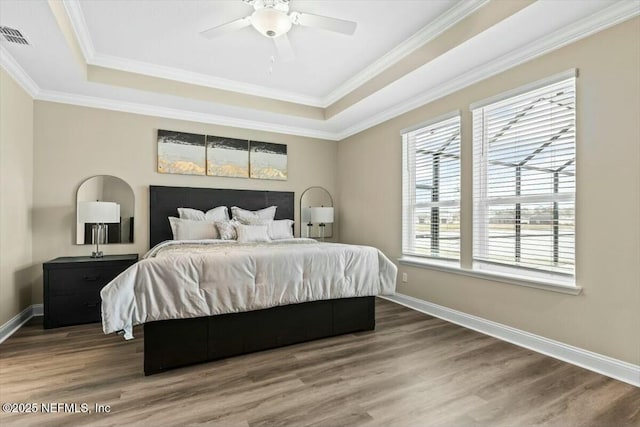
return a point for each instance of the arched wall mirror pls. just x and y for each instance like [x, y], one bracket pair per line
[313, 218]
[105, 188]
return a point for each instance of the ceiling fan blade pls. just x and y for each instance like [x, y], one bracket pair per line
[226, 28]
[285, 51]
[326, 23]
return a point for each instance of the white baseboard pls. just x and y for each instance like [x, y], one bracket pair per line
[599, 363]
[38, 310]
[20, 319]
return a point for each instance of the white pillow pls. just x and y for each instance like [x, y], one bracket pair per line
[186, 229]
[227, 229]
[252, 233]
[221, 213]
[257, 221]
[281, 229]
[278, 229]
[244, 215]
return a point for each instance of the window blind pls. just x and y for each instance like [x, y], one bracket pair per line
[524, 181]
[431, 190]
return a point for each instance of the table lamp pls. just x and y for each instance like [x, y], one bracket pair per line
[98, 214]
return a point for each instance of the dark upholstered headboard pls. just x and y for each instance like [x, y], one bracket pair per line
[165, 201]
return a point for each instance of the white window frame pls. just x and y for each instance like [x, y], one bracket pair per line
[481, 202]
[465, 266]
[409, 190]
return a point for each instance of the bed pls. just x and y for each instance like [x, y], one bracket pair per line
[177, 342]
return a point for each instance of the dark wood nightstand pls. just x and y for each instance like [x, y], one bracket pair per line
[72, 287]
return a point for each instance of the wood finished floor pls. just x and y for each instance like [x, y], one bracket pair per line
[413, 370]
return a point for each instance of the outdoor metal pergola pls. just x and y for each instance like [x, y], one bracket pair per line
[438, 154]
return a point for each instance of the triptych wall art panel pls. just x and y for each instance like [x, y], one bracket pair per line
[268, 161]
[180, 152]
[192, 154]
[227, 157]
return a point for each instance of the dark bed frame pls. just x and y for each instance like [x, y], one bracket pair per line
[170, 344]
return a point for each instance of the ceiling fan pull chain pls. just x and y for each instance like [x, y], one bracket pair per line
[272, 61]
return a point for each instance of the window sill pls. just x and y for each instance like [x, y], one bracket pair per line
[450, 267]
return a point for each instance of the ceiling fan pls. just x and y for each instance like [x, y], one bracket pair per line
[272, 19]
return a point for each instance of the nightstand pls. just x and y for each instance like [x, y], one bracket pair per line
[72, 287]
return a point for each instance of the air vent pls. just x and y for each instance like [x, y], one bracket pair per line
[13, 35]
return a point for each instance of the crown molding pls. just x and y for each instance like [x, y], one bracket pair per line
[171, 113]
[198, 79]
[8, 63]
[435, 28]
[81, 30]
[74, 12]
[599, 21]
[615, 14]
[448, 19]
[17, 72]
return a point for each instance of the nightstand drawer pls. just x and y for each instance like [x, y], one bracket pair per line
[72, 287]
[69, 281]
[76, 309]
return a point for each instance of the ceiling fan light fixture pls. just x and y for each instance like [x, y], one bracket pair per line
[271, 22]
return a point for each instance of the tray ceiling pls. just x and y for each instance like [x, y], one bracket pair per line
[147, 56]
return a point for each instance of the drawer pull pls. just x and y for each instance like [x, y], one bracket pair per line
[91, 278]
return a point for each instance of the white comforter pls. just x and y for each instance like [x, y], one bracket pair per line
[177, 280]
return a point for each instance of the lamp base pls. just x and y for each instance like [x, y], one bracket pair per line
[97, 232]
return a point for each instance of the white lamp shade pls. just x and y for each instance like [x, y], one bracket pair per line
[98, 212]
[322, 215]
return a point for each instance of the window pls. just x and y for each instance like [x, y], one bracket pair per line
[431, 189]
[524, 182]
